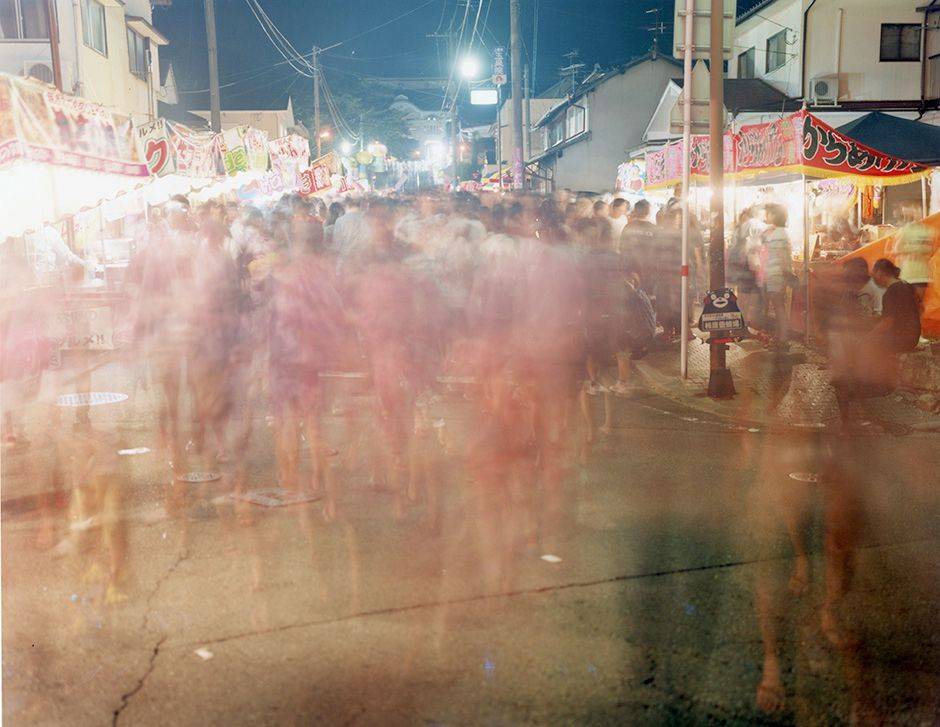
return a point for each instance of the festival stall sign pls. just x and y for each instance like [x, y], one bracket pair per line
[59, 154]
[803, 144]
[155, 148]
[42, 124]
[290, 156]
[232, 149]
[631, 177]
[315, 179]
[664, 166]
[256, 146]
[195, 151]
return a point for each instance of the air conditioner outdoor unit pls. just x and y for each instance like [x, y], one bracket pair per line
[824, 90]
[40, 70]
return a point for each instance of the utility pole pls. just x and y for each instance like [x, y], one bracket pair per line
[316, 100]
[454, 140]
[515, 69]
[720, 384]
[686, 174]
[215, 104]
[499, 136]
[527, 115]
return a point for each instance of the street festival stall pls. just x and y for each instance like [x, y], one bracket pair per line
[79, 177]
[797, 161]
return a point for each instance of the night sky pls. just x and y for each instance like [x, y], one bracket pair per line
[606, 32]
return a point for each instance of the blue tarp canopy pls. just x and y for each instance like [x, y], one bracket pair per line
[914, 141]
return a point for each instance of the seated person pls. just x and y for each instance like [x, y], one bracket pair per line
[866, 290]
[899, 328]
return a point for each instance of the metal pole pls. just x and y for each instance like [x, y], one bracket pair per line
[453, 142]
[527, 117]
[54, 44]
[806, 255]
[923, 197]
[215, 104]
[515, 69]
[316, 99]
[686, 164]
[499, 136]
[720, 385]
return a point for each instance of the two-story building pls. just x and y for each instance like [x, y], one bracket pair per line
[854, 54]
[106, 50]
[587, 135]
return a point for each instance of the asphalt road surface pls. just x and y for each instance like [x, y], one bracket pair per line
[667, 590]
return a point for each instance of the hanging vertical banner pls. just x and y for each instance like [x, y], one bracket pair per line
[155, 148]
[195, 151]
[290, 156]
[256, 146]
[231, 144]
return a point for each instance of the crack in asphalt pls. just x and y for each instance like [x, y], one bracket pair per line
[392, 610]
[126, 697]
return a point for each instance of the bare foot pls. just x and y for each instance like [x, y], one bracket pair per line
[114, 595]
[833, 630]
[770, 697]
[770, 694]
[604, 430]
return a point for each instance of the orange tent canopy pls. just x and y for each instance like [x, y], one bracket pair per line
[878, 249]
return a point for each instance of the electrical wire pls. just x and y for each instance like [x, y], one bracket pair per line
[290, 56]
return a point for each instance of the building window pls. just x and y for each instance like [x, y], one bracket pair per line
[137, 51]
[746, 64]
[94, 32]
[776, 51]
[900, 42]
[556, 132]
[24, 20]
[575, 121]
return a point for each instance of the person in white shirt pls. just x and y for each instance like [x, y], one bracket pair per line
[50, 253]
[619, 210]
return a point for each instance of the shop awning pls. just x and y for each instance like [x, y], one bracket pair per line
[794, 146]
[58, 154]
[913, 140]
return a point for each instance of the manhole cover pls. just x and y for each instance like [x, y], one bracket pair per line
[274, 497]
[804, 476]
[93, 398]
[200, 477]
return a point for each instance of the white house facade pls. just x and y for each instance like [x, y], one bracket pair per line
[108, 49]
[866, 54]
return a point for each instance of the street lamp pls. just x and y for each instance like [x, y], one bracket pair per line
[470, 67]
[345, 147]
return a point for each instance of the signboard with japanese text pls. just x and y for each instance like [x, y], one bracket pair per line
[315, 179]
[798, 144]
[290, 156]
[155, 148]
[499, 66]
[256, 147]
[41, 124]
[721, 314]
[195, 151]
[231, 143]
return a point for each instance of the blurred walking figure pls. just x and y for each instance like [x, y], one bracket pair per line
[912, 248]
[215, 316]
[306, 329]
[777, 268]
[743, 261]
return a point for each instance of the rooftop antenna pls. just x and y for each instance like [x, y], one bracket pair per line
[573, 68]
